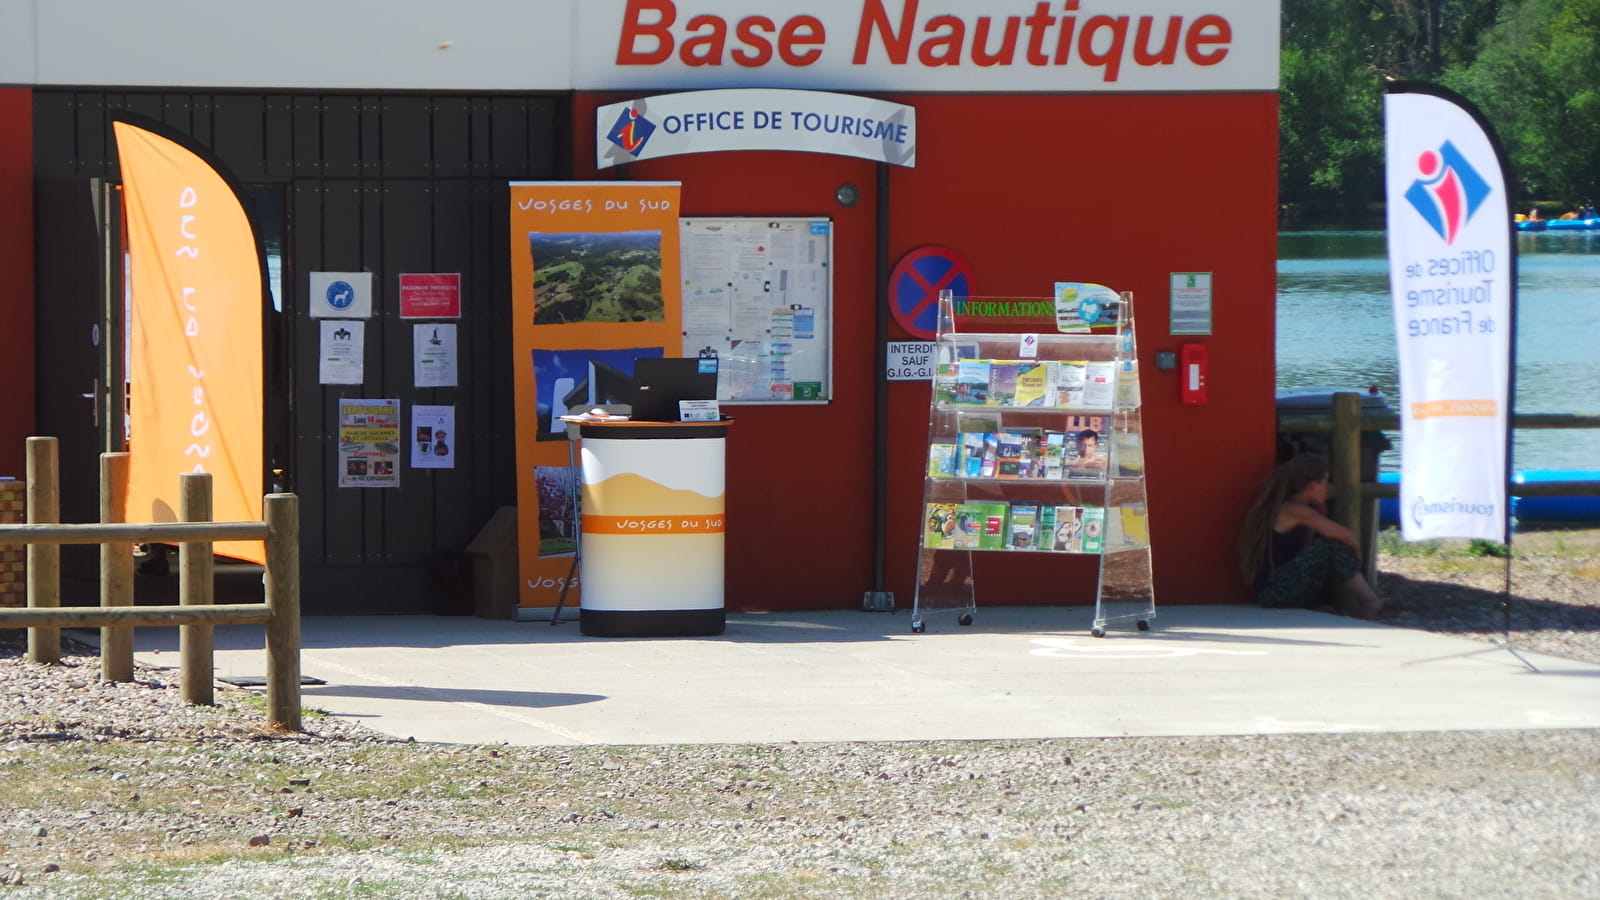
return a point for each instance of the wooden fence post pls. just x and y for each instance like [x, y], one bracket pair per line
[195, 588]
[282, 513]
[44, 560]
[116, 570]
[1345, 464]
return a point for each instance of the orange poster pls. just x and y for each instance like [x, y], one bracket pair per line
[594, 286]
[195, 371]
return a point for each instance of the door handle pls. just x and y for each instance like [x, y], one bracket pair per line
[94, 397]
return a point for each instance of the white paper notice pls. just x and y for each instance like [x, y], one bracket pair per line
[433, 437]
[434, 353]
[343, 352]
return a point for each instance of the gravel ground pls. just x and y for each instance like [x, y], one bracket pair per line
[1554, 604]
[118, 790]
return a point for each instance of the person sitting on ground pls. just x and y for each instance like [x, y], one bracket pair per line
[1293, 554]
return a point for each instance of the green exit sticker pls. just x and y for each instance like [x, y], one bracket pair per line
[807, 390]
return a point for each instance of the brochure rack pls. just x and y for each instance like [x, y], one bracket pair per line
[1035, 446]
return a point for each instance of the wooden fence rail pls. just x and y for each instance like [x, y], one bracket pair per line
[1355, 500]
[196, 613]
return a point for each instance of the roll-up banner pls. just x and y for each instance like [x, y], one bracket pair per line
[595, 285]
[195, 361]
[1452, 270]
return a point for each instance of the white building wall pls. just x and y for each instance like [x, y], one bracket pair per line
[530, 45]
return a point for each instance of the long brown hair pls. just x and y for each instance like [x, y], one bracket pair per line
[1286, 480]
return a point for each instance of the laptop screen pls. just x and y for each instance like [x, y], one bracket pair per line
[659, 383]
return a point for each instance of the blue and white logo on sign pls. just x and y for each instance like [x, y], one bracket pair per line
[631, 131]
[341, 295]
[1449, 192]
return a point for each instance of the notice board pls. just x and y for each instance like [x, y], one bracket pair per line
[758, 295]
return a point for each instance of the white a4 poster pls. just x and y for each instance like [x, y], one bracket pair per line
[433, 437]
[343, 352]
[1452, 272]
[434, 354]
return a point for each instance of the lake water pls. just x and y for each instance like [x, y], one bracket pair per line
[1336, 329]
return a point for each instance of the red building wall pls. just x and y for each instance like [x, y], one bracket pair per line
[1032, 189]
[16, 261]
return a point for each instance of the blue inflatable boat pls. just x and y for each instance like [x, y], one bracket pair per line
[1552, 510]
[1591, 224]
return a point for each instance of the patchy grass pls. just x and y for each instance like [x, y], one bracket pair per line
[1579, 547]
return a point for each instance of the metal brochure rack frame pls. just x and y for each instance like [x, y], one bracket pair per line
[970, 508]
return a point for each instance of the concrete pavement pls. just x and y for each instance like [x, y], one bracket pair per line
[845, 675]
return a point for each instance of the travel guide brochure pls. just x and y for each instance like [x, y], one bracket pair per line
[1086, 448]
[1013, 453]
[1002, 383]
[1099, 385]
[989, 465]
[1017, 525]
[1030, 451]
[1054, 455]
[1067, 536]
[1034, 380]
[1030, 525]
[973, 446]
[1074, 529]
[980, 526]
[944, 383]
[973, 420]
[939, 528]
[1071, 375]
[1008, 455]
[1023, 525]
[972, 382]
[1032, 384]
[1094, 524]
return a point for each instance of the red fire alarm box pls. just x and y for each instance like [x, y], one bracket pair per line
[1192, 373]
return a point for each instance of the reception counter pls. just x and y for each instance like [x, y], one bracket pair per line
[652, 528]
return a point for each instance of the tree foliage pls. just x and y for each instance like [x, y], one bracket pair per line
[1531, 66]
[1537, 80]
[1330, 150]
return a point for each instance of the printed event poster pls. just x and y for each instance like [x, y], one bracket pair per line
[595, 285]
[369, 443]
[433, 437]
[343, 352]
[434, 354]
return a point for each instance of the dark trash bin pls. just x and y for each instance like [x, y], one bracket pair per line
[1318, 401]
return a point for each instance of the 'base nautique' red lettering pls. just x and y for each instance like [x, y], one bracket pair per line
[1100, 42]
[1039, 34]
[647, 38]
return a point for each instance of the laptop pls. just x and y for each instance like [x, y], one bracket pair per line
[660, 382]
